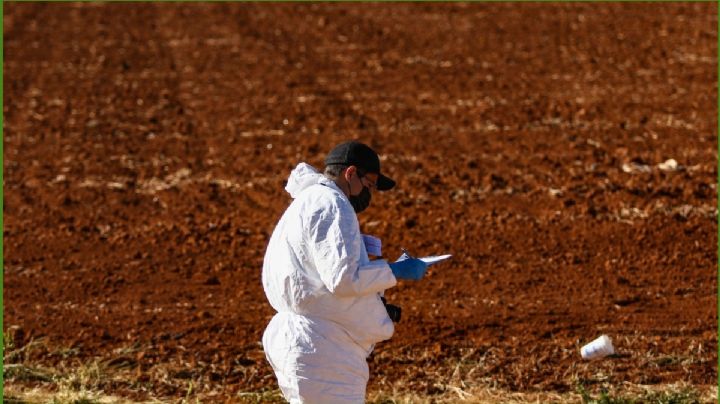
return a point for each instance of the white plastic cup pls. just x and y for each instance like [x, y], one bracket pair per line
[598, 348]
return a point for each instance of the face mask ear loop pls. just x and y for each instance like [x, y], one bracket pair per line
[359, 174]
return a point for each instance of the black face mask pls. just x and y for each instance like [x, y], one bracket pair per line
[361, 201]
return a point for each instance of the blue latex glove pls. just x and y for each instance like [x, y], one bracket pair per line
[410, 268]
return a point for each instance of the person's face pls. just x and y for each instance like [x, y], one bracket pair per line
[359, 187]
[356, 180]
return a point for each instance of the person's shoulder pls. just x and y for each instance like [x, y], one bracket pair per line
[323, 197]
[321, 193]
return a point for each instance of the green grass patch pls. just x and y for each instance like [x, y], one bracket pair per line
[267, 396]
[684, 395]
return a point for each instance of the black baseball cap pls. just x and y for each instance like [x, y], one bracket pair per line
[357, 154]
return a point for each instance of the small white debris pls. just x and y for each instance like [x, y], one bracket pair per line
[636, 168]
[669, 165]
[89, 183]
[633, 213]
[555, 192]
[598, 348]
[684, 211]
[116, 185]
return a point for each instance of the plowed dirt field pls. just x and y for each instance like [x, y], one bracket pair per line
[566, 154]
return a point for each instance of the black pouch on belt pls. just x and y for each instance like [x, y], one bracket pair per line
[394, 312]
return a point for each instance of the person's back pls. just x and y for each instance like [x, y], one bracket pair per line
[327, 292]
[312, 261]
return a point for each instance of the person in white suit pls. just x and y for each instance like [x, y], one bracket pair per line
[318, 277]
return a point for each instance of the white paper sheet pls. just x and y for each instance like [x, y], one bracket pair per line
[429, 260]
[434, 259]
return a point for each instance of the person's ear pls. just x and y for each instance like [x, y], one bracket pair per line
[349, 172]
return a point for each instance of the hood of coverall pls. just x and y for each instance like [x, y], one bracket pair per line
[302, 177]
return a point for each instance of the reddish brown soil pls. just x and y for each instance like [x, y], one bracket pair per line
[146, 148]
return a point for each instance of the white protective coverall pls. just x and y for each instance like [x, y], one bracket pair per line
[326, 291]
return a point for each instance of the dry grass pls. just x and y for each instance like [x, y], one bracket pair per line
[625, 394]
[463, 379]
[73, 389]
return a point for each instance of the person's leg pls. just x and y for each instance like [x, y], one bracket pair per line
[278, 353]
[335, 372]
[315, 362]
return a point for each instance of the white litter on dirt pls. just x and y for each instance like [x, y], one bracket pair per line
[669, 165]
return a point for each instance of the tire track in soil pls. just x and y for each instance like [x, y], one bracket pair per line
[169, 309]
[33, 150]
[299, 67]
[224, 331]
[126, 282]
[18, 30]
